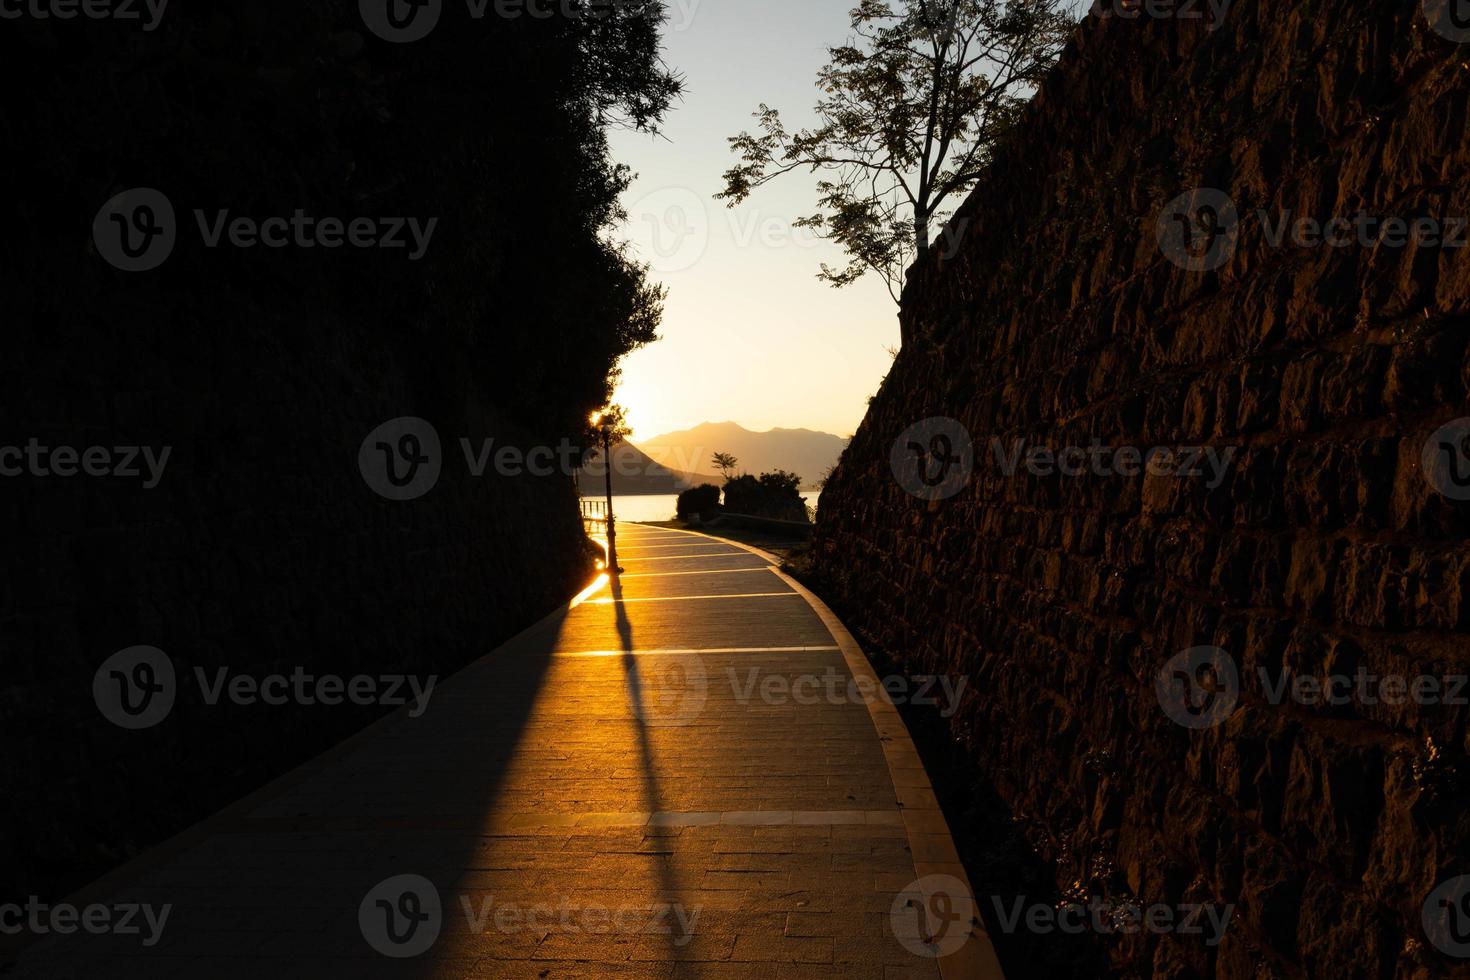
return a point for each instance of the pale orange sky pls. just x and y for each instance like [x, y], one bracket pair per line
[749, 334]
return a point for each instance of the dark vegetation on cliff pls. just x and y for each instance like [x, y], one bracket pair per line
[263, 550]
[496, 128]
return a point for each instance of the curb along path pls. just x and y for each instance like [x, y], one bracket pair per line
[634, 787]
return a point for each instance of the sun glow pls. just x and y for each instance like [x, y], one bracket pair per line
[644, 405]
[591, 590]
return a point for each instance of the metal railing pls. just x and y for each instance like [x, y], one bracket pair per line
[594, 516]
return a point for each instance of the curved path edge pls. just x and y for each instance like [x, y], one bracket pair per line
[930, 840]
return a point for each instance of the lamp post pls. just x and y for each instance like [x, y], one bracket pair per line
[612, 528]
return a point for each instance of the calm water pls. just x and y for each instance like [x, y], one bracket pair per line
[652, 507]
[659, 507]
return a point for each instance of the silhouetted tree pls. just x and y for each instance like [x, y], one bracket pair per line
[912, 105]
[702, 501]
[774, 495]
[497, 127]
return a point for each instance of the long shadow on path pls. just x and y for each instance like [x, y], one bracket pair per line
[644, 711]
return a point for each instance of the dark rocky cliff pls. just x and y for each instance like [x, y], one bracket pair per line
[1325, 548]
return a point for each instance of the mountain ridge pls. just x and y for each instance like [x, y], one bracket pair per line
[809, 453]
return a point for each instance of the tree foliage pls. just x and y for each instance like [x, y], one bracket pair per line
[912, 107]
[619, 68]
[773, 495]
[496, 127]
[699, 502]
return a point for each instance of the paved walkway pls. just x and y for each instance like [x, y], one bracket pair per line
[669, 778]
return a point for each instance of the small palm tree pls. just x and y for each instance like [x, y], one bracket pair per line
[725, 463]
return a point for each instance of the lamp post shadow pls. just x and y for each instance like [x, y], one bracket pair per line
[653, 797]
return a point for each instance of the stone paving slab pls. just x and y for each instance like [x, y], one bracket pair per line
[669, 778]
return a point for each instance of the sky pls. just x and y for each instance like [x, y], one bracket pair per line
[749, 333]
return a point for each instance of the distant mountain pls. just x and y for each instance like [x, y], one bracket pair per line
[804, 452]
[633, 473]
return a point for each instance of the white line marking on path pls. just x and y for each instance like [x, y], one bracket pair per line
[710, 554]
[706, 571]
[685, 653]
[686, 598]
